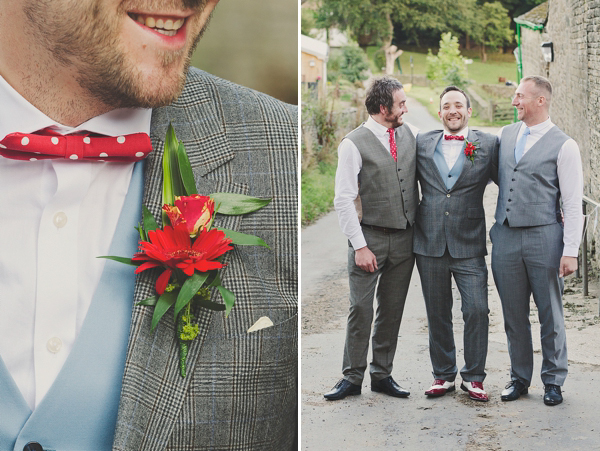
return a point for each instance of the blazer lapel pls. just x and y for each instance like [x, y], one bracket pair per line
[467, 165]
[153, 389]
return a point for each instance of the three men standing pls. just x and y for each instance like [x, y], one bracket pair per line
[376, 161]
[450, 241]
[538, 166]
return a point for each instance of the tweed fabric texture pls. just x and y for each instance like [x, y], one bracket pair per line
[240, 392]
[452, 218]
[387, 188]
[529, 194]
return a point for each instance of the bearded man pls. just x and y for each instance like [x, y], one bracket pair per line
[80, 368]
[453, 169]
[376, 162]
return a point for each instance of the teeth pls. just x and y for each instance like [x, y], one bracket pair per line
[167, 27]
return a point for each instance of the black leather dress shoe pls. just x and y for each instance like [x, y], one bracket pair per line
[342, 389]
[553, 395]
[514, 389]
[389, 387]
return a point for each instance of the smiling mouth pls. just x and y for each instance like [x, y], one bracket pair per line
[163, 25]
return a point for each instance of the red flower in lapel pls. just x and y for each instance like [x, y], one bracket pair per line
[173, 248]
[194, 211]
[471, 149]
[189, 248]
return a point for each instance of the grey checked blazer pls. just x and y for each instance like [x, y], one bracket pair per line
[452, 218]
[241, 389]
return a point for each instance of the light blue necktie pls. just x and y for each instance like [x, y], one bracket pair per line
[520, 147]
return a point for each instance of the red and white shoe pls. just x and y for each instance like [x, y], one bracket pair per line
[439, 388]
[476, 391]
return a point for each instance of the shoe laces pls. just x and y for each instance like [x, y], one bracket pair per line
[552, 388]
[476, 384]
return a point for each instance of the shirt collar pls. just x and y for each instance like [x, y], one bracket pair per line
[18, 115]
[542, 127]
[376, 127]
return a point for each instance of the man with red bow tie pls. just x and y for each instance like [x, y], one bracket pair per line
[453, 169]
[88, 89]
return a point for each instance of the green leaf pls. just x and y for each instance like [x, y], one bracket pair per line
[238, 204]
[148, 219]
[189, 289]
[243, 239]
[178, 189]
[228, 298]
[185, 171]
[125, 260]
[165, 301]
[216, 281]
[142, 233]
[170, 146]
[150, 302]
[211, 305]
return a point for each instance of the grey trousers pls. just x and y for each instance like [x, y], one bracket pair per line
[525, 261]
[471, 276]
[395, 261]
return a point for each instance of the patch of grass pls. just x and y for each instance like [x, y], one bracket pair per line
[317, 192]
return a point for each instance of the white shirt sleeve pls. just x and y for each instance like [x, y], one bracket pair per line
[570, 180]
[346, 190]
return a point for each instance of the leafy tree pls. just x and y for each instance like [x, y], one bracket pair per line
[494, 27]
[353, 64]
[374, 21]
[448, 66]
[307, 21]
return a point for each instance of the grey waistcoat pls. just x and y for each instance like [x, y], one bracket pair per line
[387, 189]
[529, 194]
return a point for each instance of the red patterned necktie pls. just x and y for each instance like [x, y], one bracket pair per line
[393, 149]
[457, 137]
[46, 144]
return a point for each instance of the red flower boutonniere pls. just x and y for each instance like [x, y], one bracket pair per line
[188, 248]
[471, 149]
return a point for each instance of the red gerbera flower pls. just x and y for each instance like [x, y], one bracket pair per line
[172, 248]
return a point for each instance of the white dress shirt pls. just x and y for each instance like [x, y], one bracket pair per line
[346, 181]
[56, 217]
[452, 148]
[570, 180]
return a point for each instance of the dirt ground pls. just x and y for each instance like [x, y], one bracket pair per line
[453, 422]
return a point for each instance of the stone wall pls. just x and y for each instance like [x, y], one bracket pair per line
[574, 28]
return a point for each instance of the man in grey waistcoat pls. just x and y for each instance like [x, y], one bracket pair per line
[538, 167]
[450, 241]
[376, 162]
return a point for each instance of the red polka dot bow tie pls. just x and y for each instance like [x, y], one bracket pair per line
[457, 137]
[49, 144]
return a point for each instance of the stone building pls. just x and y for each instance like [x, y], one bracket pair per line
[573, 28]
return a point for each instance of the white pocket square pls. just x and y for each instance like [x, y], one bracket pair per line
[262, 323]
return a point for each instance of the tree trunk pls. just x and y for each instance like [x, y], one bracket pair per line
[467, 41]
[391, 51]
[483, 54]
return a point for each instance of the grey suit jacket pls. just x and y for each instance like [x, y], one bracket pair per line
[452, 218]
[241, 388]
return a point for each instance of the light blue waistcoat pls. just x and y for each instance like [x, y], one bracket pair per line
[450, 176]
[79, 412]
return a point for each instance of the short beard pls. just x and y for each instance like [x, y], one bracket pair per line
[90, 46]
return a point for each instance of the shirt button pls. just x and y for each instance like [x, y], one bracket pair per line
[60, 220]
[447, 195]
[54, 345]
[447, 213]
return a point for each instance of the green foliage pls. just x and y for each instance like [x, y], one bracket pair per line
[447, 67]
[315, 112]
[354, 64]
[307, 21]
[317, 192]
[494, 25]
